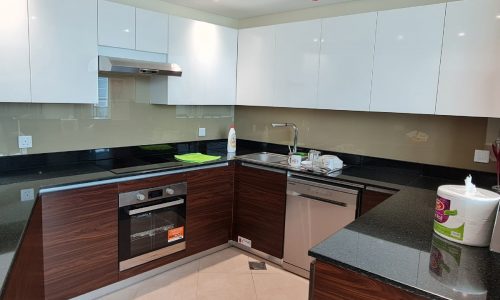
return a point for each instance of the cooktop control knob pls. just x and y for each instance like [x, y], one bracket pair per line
[140, 197]
[169, 191]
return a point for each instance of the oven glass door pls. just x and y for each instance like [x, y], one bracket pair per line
[147, 227]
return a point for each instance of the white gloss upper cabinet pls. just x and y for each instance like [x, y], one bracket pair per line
[63, 46]
[469, 83]
[14, 52]
[207, 54]
[151, 31]
[297, 64]
[346, 62]
[407, 58]
[256, 54]
[116, 25]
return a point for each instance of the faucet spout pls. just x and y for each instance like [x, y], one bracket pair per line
[295, 130]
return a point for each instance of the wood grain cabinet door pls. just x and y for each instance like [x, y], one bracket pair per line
[209, 208]
[330, 282]
[373, 197]
[80, 240]
[259, 212]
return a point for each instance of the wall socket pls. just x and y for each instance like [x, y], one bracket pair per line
[25, 141]
[482, 156]
[27, 194]
[202, 132]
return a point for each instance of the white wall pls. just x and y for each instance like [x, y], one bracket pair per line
[162, 6]
[339, 9]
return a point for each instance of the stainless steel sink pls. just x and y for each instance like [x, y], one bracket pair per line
[265, 157]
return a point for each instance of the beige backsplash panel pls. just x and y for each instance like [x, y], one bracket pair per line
[127, 120]
[437, 140]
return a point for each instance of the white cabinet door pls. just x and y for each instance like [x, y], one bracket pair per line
[346, 62]
[256, 66]
[63, 37]
[469, 83]
[116, 25]
[14, 52]
[297, 64]
[151, 31]
[407, 57]
[207, 54]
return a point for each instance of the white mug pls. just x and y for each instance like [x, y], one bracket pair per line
[294, 161]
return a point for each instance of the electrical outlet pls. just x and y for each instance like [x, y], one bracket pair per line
[27, 194]
[244, 241]
[482, 156]
[202, 132]
[25, 141]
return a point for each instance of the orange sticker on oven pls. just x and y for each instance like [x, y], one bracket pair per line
[175, 234]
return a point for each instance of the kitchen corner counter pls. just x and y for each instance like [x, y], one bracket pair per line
[15, 212]
[394, 242]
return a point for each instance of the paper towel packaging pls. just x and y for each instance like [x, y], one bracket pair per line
[465, 214]
[331, 162]
[459, 268]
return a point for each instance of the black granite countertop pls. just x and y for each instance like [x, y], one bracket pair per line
[47, 171]
[395, 243]
[15, 213]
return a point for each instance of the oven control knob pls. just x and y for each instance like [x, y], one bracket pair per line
[141, 197]
[169, 191]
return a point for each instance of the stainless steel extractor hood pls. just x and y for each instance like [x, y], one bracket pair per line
[122, 66]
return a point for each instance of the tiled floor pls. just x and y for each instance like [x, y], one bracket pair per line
[221, 275]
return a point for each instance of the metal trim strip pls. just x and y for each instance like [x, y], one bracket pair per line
[128, 178]
[328, 180]
[328, 186]
[154, 207]
[147, 257]
[255, 166]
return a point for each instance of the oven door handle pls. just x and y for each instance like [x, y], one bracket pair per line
[155, 207]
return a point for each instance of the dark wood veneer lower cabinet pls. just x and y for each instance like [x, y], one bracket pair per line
[25, 280]
[259, 212]
[372, 198]
[209, 208]
[80, 240]
[329, 282]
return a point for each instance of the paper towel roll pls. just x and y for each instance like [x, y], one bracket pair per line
[465, 214]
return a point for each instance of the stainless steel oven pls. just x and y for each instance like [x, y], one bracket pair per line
[152, 224]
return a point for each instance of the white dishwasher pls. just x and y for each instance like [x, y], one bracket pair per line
[315, 209]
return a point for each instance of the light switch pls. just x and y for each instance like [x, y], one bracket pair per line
[482, 156]
[202, 132]
[25, 141]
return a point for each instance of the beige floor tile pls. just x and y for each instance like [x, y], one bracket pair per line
[277, 286]
[183, 288]
[123, 294]
[229, 260]
[219, 286]
[177, 284]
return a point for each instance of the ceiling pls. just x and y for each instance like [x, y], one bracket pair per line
[242, 9]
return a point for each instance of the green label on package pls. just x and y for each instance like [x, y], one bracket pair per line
[454, 233]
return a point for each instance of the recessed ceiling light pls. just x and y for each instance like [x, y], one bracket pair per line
[461, 34]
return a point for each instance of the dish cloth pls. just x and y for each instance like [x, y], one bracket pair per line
[196, 157]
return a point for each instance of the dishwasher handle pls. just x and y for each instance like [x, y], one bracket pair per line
[330, 201]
